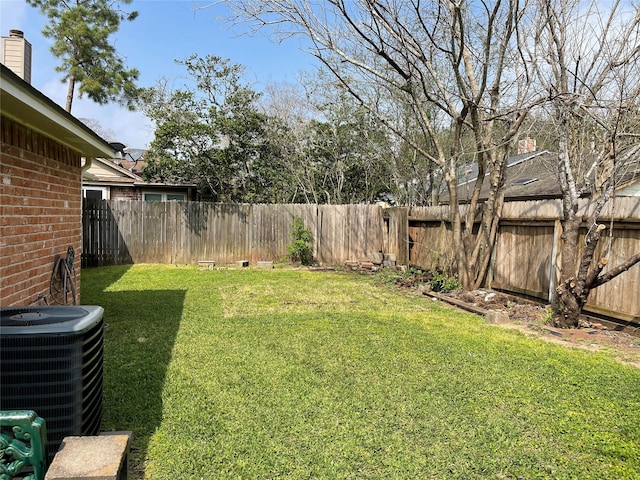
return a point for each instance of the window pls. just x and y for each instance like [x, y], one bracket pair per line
[153, 197]
[163, 196]
[94, 193]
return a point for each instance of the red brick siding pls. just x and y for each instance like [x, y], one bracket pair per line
[40, 211]
[125, 193]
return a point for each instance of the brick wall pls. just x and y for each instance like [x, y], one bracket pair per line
[40, 211]
[125, 193]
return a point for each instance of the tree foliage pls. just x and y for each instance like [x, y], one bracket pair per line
[81, 31]
[212, 131]
[218, 131]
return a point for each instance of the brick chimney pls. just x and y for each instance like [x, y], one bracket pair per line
[527, 145]
[16, 54]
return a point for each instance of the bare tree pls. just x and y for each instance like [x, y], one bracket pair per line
[587, 59]
[97, 127]
[289, 106]
[455, 65]
[333, 150]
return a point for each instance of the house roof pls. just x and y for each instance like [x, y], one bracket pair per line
[119, 172]
[532, 176]
[529, 175]
[26, 105]
[106, 171]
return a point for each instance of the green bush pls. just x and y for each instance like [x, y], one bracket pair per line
[300, 249]
[441, 282]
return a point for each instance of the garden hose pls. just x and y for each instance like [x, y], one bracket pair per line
[62, 287]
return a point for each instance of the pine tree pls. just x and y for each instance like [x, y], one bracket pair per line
[81, 30]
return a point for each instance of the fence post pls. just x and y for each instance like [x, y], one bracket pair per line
[399, 234]
[554, 261]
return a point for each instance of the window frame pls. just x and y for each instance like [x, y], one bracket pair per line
[163, 196]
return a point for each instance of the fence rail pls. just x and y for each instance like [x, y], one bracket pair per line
[526, 253]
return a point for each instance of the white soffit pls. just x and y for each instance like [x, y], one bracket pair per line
[25, 105]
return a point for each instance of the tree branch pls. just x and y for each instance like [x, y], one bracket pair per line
[614, 272]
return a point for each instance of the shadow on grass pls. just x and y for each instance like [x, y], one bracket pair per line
[140, 332]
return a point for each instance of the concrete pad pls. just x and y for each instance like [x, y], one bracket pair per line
[102, 457]
[207, 264]
[376, 257]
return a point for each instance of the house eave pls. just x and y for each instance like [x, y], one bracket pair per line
[165, 185]
[25, 105]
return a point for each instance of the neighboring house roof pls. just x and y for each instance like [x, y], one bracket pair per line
[23, 104]
[109, 172]
[529, 175]
[535, 176]
[122, 172]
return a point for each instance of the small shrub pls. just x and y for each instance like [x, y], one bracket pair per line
[300, 248]
[547, 316]
[441, 282]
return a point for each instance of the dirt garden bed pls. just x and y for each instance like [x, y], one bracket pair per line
[533, 318]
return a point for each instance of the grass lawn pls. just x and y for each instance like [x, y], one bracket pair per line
[250, 374]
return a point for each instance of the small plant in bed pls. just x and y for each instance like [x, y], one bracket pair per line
[300, 250]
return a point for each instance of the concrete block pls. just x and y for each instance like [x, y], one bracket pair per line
[376, 258]
[242, 263]
[207, 264]
[103, 457]
[267, 265]
[499, 317]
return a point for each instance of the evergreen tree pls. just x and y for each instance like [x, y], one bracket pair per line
[81, 30]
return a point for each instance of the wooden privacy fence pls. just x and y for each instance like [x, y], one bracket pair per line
[125, 231]
[526, 256]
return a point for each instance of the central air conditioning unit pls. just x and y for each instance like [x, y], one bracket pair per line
[51, 362]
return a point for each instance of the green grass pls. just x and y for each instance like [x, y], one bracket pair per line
[294, 374]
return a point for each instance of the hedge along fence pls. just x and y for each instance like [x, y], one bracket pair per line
[129, 231]
[526, 257]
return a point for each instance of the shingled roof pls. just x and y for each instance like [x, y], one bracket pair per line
[529, 176]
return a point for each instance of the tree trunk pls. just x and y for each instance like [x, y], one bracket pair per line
[568, 308]
[578, 278]
[70, 90]
[572, 295]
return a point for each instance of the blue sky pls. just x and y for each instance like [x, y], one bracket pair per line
[165, 30]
